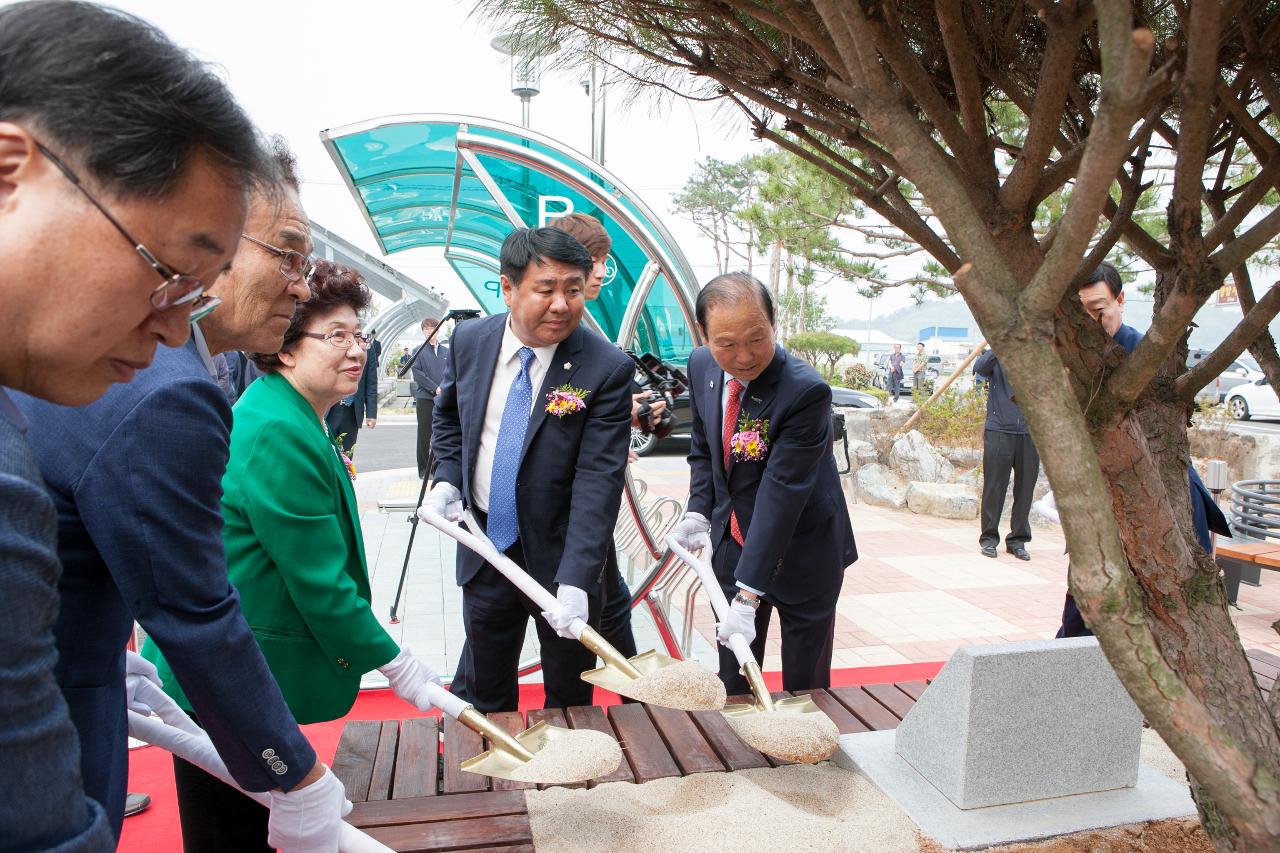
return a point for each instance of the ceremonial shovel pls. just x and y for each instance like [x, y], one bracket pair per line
[780, 743]
[626, 676]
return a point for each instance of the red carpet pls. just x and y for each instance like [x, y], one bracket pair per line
[151, 769]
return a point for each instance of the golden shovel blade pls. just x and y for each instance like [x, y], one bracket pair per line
[789, 705]
[612, 677]
[501, 761]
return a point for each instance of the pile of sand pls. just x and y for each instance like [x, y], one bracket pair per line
[685, 685]
[799, 807]
[575, 756]
[802, 738]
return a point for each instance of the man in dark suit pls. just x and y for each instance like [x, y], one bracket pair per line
[545, 484]
[763, 490]
[428, 372]
[361, 408]
[1006, 448]
[110, 172]
[136, 478]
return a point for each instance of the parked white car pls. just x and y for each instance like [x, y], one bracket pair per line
[1255, 399]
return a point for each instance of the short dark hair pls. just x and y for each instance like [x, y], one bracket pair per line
[332, 286]
[283, 164]
[732, 288]
[587, 230]
[113, 93]
[1108, 273]
[523, 246]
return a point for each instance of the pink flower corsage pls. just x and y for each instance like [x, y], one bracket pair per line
[566, 400]
[347, 461]
[751, 442]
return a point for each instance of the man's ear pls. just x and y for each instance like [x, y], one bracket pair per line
[507, 287]
[18, 157]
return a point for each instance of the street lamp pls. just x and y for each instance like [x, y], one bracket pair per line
[526, 54]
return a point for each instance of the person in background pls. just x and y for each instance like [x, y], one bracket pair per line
[1102, 295]
[427, 365]
[896, 361]
[240, 372]
[1006, 447]
[122, 192]
[919, 363]
[361, 408]
[294, 548]
[764, 495]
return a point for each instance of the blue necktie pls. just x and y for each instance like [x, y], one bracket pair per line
[504, 526]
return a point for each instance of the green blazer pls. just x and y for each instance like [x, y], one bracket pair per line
[296, 554]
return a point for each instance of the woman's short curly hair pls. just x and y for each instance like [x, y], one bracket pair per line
[332, 286]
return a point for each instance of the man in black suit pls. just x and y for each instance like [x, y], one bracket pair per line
[361, 408]
[530, 432]
[1006, 447]
[428, 372]
[764, 495]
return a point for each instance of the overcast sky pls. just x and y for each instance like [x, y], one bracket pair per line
[302, 67]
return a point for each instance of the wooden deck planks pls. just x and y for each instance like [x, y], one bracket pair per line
[844, 719]
[460, 743]
[641, 743]
[384, 761]
[593, 717]
[417, 759]
[873, 715]
[685, 741]
[353, 762]
[512, 723]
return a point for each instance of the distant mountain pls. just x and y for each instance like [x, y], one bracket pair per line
[1213, 323]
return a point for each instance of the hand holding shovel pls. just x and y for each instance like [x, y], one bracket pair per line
[648, 677]
[794, 729]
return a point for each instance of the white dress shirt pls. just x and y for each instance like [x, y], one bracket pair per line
[503, 374]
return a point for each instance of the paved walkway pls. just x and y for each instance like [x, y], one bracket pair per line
[919, 590]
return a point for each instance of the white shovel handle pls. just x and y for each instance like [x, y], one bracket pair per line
[195, 748]
[474, 539]
[715, 595]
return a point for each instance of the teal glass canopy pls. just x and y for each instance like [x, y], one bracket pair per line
[464, 183]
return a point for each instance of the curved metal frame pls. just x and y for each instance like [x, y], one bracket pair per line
[1255, 512]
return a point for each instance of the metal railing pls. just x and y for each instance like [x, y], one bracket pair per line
[1255, 508]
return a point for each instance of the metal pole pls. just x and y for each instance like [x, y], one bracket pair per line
[524, 111]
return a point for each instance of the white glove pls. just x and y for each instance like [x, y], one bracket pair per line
[137, 672]
[1048, 507]
[573, 605]
[445, 499]
[409, 678]
[308, 820]
[692, 533]
[740, 620]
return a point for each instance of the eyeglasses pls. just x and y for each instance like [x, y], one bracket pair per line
[293, 265]
[177, 288]
[342, 339]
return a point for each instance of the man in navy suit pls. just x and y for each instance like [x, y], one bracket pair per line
[546, 485]
[136, 478]
[122, 192]
[763, 485]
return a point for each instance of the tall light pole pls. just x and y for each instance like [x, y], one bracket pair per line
[596, 87]
[526, 54]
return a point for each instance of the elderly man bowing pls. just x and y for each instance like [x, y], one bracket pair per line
[530, 431]
[763, 485]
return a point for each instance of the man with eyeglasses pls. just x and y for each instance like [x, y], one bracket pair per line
[136, 478]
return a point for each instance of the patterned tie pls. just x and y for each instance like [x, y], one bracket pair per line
[504, 525]
[731, 410]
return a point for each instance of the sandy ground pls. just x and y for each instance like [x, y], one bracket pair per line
[814, 808]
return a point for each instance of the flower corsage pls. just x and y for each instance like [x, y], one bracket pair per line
[566, 400]
[347, 461]
[751, 442]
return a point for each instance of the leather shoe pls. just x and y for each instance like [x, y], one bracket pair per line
[1020, 552]
[989, 551]
[134, 803]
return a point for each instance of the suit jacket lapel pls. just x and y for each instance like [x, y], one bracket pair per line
[713, 412]
[563, 365]
[487, 347]
[759, 395]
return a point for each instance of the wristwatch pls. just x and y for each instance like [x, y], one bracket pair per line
[753, 603]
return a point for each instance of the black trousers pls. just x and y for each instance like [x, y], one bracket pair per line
[426, 407]
[1072, 622]
[215, 816]
[1003, 452]
[615, 617]
[342, 422]
[895, 385]
[808, 632]
[495, 615]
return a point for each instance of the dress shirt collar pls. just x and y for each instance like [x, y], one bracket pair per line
[9, 411]
[511, 345]
[202, 350]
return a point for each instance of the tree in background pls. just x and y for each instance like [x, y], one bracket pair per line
[823, 349]
[899, 98]
[712, 199]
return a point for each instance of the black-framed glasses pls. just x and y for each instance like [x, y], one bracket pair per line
[342, 339]
[293, 265]
[177, 288]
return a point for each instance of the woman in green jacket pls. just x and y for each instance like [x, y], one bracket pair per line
[292, 530]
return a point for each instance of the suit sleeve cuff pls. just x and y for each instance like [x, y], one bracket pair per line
[742, 585]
